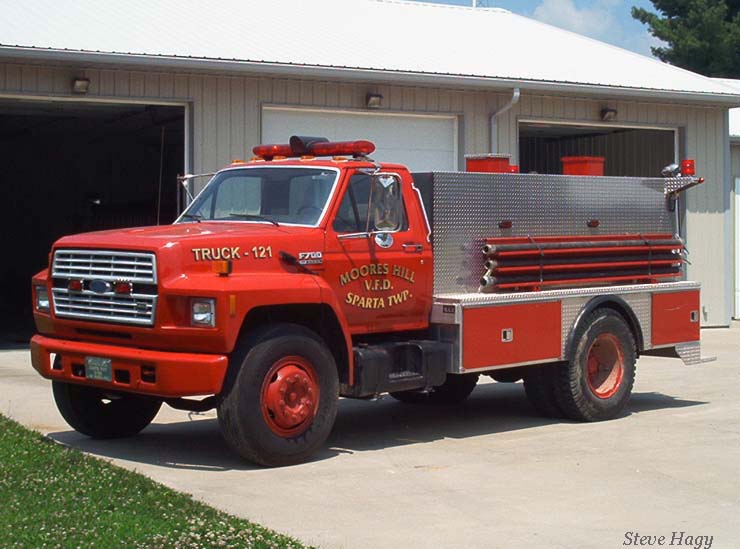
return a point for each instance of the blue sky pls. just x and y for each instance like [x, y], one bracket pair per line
[606, 20]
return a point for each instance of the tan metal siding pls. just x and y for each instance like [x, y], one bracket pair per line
[226, 121]
[735, 174]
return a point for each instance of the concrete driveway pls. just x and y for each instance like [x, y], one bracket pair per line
[489, 473]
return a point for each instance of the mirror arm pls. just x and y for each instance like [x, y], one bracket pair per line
[369, 207]
[347, 236]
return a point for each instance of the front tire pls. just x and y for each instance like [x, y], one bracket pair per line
[99, 414]
[597, 382]
[454, 390]
[282, 403]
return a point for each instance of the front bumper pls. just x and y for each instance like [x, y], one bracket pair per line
[142, 371]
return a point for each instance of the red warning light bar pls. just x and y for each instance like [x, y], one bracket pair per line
[268, 152]
[341, 148]
[314, 146]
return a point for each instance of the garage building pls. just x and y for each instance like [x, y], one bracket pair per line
[101, 109]
[735, 175]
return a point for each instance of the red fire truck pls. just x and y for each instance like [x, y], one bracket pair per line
[313, 272]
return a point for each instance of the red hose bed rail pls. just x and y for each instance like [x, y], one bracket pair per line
[531, 263]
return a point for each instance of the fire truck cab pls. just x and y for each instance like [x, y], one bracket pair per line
[313, 272]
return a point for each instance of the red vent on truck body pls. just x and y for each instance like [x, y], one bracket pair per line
[488, 163]
[583, 165]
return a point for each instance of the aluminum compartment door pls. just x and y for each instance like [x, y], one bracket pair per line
[420, 142]
[515, 334]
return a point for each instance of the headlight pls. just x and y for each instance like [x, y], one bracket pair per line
[203, 312]
[42, 298]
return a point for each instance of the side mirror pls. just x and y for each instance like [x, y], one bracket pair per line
[384, 212]
[671, 170]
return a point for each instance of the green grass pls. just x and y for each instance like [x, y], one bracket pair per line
[53, 496]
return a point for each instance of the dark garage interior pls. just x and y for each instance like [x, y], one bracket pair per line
[78, 167]
[628, 151]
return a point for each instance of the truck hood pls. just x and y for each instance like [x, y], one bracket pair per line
[155, 237]
[189, 248]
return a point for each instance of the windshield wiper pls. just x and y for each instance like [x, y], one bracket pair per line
[255, 217]
[197, 217]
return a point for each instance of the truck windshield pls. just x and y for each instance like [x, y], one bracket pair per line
[279, 195]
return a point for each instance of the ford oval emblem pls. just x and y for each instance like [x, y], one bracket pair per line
[100, 286]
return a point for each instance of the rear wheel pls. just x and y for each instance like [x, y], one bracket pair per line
[508, 375]
[597, 382]
[101, 414]
[281, 404]
[539, 386]
[454, 390]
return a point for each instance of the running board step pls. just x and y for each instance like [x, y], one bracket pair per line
[398, 366]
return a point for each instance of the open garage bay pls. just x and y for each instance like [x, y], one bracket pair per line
[71, 167]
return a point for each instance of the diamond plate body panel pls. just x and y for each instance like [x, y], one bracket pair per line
[690, 353]
[641, 305]
[468, 207]
[474, 299]
[673, 184]
[571, 310]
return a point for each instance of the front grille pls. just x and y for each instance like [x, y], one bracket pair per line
[105, 265]
[139, 268]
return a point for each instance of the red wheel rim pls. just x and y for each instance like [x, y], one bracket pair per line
[605, 364]
[290, 396]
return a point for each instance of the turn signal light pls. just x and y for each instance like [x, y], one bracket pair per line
[122, 287]
[222, 267]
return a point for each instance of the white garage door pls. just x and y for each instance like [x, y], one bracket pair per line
[420, 142]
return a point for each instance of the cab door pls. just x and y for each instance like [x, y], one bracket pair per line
[378, 258]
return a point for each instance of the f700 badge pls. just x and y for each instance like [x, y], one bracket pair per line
[310, 258]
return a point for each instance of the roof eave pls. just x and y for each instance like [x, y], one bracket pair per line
[359, 74]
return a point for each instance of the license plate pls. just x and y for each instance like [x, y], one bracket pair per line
[98, 368]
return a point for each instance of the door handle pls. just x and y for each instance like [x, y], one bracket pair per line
[412, 248]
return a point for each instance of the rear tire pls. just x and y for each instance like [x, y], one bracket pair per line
[454, 390]
[101, 414]
[508, 375]
[597, 382]
[281, 402]
[539, 387]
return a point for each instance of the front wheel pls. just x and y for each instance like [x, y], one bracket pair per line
[597, 382]
[100, 414]
[282, 403]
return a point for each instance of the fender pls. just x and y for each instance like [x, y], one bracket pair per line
[329, 298]
[612, 302]
[251, 290]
